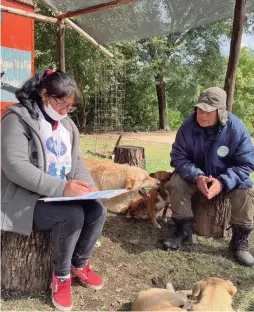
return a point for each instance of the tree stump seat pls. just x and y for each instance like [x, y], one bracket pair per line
[212, 216]
[26, 262]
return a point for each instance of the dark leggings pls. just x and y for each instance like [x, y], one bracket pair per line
[75, 225]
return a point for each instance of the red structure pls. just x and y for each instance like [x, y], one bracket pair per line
[17, 50]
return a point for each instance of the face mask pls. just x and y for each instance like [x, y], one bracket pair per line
[52, 113]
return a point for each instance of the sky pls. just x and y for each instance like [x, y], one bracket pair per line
[246, 41]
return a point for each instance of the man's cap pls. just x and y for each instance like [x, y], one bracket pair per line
[213, 99]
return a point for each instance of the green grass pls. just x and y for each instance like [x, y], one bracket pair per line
[157, 154]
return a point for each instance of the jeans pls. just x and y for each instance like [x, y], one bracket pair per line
[76, 227]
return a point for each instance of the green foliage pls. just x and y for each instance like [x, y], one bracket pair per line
[243, 105]
[189, 62]
[175, 119]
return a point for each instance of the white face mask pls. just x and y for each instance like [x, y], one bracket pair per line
[52, 113]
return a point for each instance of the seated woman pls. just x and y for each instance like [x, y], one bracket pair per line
[40, 157]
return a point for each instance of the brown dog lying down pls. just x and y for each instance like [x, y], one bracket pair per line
[158, 299]
[109, 176]
[213, 294]
[158, 200]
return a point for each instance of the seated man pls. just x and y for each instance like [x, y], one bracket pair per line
[213, 153]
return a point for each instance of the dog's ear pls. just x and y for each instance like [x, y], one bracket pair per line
[130, 184]
[152, 175]
[231, 288]
[198, 288]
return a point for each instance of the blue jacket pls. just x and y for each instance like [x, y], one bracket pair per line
[227, 155]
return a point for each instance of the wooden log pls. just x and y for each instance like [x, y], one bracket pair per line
[95, 8]
[53, 20]
[131, 155]
[88, 37]
[212, 216]
[100, 154]
[32, 15]
[117, 143]
[26, 264]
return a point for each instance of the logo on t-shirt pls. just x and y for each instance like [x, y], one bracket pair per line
[53, 147]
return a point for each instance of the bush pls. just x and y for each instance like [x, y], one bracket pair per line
[174, 119]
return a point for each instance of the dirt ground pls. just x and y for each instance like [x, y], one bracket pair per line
[155, 137]
[130, 259]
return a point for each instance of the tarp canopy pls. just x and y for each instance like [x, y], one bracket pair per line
[146, 18]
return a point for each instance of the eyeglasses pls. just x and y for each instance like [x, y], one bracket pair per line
[63, 105]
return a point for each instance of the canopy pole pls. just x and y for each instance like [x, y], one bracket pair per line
[235, 49]
[88, 37]
[95, 8]
[55, 21]
[32, 15]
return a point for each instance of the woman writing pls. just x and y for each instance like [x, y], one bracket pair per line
[40, 157]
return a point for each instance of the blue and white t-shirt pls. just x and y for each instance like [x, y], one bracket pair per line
[57, 145]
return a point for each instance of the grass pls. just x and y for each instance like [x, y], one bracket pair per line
[130, 257]
[157, 154]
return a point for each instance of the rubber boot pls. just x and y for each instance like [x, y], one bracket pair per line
[182, 236]
[239, 245]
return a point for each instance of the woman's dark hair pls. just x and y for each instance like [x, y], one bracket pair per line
[57, 84]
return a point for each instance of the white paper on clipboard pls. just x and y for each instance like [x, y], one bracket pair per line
[92, 195]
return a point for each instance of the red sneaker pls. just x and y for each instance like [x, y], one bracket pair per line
[88, 277]
[61, 293]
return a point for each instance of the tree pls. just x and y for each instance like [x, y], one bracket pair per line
[244, 91]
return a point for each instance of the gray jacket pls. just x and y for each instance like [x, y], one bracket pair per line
[23, 173]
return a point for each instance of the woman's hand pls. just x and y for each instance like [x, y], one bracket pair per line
[93, 189]
[76, 188]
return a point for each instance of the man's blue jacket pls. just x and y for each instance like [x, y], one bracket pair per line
[227, 155]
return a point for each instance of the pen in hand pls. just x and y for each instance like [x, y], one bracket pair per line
[75, 187]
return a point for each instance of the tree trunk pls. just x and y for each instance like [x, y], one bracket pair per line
[131, 155]
[26, 265]
[61, 46]
[160, 89]
[83, 114]
[235, 49]
[212, 216]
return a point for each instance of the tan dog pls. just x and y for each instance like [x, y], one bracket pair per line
[213, 294]
[157, 299]
[108, 176]
[158, 200]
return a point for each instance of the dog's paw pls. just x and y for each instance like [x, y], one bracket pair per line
[128, 216]
[157, 226]
[98, 244]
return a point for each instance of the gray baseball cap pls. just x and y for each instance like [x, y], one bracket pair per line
[213, 99]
